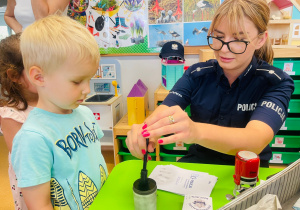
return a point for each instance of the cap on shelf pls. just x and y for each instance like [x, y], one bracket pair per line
[172, 49]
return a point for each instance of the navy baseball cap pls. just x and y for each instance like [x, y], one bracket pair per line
[172, 49]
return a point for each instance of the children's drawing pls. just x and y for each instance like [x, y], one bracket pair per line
[117, 24]
[108, 71]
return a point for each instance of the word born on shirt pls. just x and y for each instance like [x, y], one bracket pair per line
[275, 108]
[246, 107]
[76, 139]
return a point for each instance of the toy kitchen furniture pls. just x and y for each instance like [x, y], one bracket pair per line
[107, 109]
[105, 99]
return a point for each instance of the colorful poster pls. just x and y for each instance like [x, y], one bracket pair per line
[186, 22]
[119, 26]
[165, 18]
[144, 26]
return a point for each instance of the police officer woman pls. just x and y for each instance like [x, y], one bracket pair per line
[238, 101]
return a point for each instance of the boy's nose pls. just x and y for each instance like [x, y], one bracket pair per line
[86, 89]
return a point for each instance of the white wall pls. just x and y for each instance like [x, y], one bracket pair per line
[146, 68]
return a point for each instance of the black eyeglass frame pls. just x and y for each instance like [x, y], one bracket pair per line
[227, 43]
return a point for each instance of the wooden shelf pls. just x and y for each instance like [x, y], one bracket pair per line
[286, 52]
[283, 21]
[159, 95]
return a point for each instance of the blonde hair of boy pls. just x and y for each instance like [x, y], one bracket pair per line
[50, 41]
[256, 10]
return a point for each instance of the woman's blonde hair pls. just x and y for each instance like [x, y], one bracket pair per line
[255, 10]
[50, 41]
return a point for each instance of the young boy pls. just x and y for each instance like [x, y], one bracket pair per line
[56, 154]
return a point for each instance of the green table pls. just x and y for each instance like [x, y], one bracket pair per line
[117, 191]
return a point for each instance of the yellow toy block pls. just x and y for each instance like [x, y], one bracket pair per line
[137, 103]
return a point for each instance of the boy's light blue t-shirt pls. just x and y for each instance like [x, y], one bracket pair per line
[65, 150]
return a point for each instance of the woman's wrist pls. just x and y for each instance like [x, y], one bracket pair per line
[195, 133]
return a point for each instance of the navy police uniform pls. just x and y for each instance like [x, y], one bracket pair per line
[262, 92]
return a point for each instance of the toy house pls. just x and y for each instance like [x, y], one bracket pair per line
[284, 26]
[137, 103]
[170, 73]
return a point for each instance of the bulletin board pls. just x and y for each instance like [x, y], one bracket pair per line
[142, 27]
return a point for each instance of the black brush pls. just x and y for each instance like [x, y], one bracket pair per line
[144, 184]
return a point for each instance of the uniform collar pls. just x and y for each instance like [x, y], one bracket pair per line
[244, 78]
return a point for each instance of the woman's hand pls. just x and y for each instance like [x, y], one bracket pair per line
[171, 120]
[136, 143]
[164, 120]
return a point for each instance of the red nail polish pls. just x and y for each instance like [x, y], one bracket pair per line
[143, 151]
[146, 134]
[144, 126]
[160, 141]
[144, 131]
[149, 158]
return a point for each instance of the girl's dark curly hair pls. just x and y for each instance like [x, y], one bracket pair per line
[11, 59]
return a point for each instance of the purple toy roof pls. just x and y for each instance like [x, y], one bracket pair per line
[138, 90]
[142, 85]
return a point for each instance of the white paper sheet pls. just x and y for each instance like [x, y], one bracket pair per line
[181, 181]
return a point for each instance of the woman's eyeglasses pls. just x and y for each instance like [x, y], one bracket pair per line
[235, 46]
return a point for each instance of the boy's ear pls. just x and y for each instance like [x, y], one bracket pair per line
[36, 75]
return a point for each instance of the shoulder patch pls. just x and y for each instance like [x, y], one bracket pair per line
[274, 75]
[200, 69]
